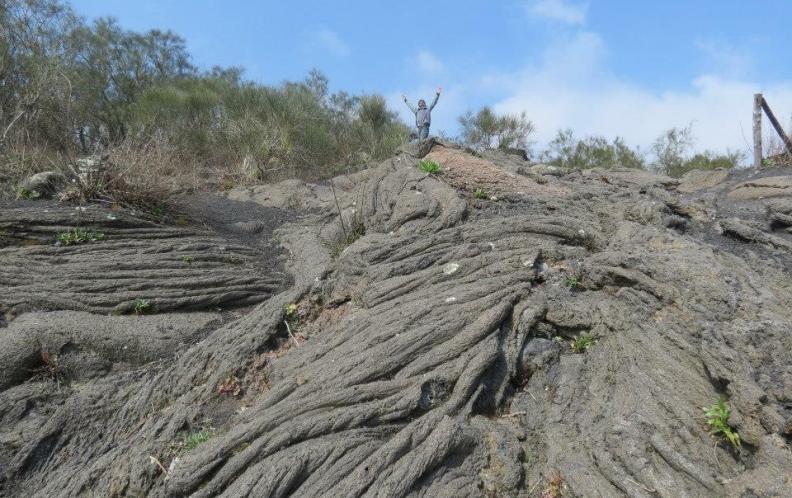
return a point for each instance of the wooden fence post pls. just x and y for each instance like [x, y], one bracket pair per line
[778, 128]
[757, 130]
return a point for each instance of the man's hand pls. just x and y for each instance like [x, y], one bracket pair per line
[439, 90]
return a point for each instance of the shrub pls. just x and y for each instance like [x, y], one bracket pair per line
[487, 130]
[429, 166]
[565, 151]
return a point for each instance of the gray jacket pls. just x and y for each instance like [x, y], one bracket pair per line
[423, 115]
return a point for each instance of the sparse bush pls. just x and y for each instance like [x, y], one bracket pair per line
[187, 259]
[571, 282]
[429, 166]
[718, 422]
[565, 151]
[487, 130]
[672, 154]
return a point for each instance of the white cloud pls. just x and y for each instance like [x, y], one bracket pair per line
[559, 10]
[571, 87]
[329, 41]
[427, 62]
[725, 58]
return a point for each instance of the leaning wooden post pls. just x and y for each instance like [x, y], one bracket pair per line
[757, 130]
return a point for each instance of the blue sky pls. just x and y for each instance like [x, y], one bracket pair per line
[616, 68]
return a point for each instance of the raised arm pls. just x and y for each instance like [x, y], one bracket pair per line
[437, 96]
[412, 107]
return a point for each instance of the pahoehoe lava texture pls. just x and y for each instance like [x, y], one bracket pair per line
[433, 354]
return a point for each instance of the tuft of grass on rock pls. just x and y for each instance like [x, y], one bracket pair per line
[23, 193]
[195, 439]
[78, 236]
[141, 306]
[428, 166]
[582, 343]
[571, 282]
[480, 193]
[355, 233]
[718, 422]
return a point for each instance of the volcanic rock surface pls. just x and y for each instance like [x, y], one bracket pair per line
[418, 344]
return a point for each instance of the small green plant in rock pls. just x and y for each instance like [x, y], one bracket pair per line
[718, 422]
[355, 233]
[194, 439]
[572, 282]
[291, 310]
[429, 166]
[582, 343]
[78, 236]
[23, 193]
[187, 259]
[480, 194]
[141, 306]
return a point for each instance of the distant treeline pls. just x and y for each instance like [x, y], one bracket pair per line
[670, 154]
[69, 88]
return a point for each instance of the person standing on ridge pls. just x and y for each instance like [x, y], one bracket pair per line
[423, 115]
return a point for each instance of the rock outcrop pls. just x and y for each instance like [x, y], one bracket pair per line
[570, 331]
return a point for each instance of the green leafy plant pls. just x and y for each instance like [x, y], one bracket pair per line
[141, 306]
[194, 439]
[291, 310]
[718, 422]
[582, 343]
[78, 236]
[571, 281]
[429, 166]
[187, 259]
[23, 193]
[480, 194]
[158, 211]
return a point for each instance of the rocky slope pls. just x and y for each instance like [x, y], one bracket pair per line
[551, 334]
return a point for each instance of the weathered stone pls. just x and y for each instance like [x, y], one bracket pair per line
[697, 179]
[435, 370]
[761, 188]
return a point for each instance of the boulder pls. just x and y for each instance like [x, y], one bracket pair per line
[761, 188]
[698, 179]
